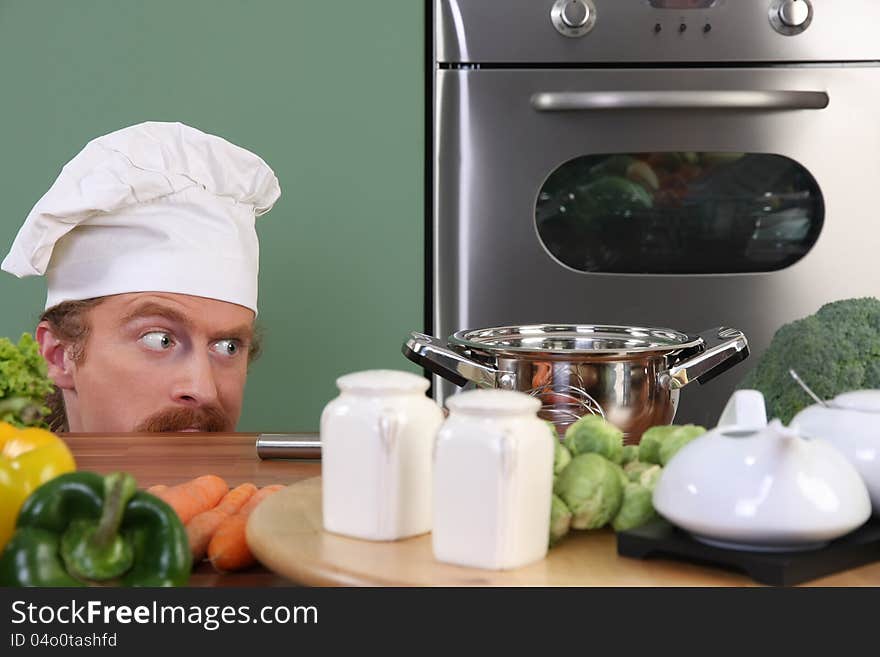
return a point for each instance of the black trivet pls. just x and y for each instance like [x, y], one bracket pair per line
[659, 538]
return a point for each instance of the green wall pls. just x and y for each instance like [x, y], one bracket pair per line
[329, 94]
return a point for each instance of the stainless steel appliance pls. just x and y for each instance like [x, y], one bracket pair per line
[679, 163]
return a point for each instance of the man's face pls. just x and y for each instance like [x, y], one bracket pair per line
[157, 361]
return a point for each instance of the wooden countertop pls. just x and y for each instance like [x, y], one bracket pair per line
[174, 458]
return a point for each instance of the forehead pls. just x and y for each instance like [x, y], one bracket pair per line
[197, 312]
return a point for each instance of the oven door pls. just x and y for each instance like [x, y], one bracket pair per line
[679, 197]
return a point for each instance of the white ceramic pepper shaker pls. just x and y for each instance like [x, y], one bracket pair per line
[376, 442]
[493, 480]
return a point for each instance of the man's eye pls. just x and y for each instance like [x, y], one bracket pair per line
[157, 340]
[227, 347]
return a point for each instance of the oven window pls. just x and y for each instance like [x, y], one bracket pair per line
[679, 213]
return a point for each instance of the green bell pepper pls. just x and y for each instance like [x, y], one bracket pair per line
[83, 529]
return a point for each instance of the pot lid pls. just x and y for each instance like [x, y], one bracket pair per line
[574, 339]
[867, 401]
[377, 381]
[493, 402]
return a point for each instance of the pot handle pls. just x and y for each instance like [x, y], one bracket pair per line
[722, 349]
[435, 356]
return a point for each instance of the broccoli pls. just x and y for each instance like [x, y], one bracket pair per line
[24, 383]
[834, 351]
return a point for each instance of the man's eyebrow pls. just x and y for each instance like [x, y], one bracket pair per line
[244, 333]
[153, 309]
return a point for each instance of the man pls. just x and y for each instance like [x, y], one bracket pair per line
[148, 244]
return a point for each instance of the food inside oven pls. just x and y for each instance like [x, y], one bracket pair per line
[679, 213]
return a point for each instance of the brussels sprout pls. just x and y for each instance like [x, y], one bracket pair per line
[594, 434]
[677, 440]
[649, 445]
[636, 509]
[591, 487]
[639, 473]
[560, 520]
[655, 437]
[624, 480]
[630, 453]
[650, 477]
[561, 457]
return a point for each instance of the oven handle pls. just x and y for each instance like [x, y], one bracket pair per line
[567, 101]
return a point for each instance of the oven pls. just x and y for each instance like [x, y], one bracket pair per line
[673, 163]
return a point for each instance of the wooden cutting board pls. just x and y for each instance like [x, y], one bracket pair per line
[285, 533]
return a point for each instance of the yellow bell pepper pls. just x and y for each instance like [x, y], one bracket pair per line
[28, 458]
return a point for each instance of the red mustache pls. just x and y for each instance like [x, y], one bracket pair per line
[203, 418]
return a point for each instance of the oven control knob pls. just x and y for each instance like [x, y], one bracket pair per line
[791, 17]
[573, 18]
[794, 13]
[575, 14]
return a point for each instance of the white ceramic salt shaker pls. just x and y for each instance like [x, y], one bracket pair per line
[493, 481]
[376, 442]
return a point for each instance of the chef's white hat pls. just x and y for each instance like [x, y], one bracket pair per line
[155, 207]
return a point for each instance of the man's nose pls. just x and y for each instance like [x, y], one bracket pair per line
[194, 383]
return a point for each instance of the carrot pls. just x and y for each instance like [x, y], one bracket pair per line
[158, 488]
[201, 528]
[192, 497]
[228, 549]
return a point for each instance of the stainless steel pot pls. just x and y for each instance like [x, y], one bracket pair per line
[630, 375]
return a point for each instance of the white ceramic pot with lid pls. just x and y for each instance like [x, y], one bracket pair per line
[376, 442]
[493, 481]
[850, 422]
[767, 489]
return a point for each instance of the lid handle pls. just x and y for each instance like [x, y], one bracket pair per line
[722, 349]
[435, 356]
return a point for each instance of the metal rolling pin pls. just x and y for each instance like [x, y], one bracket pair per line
[288, 446]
